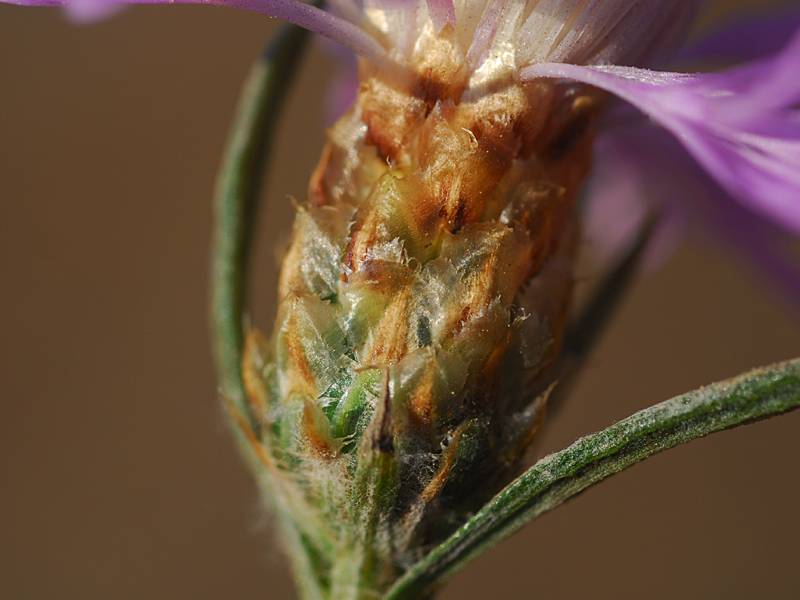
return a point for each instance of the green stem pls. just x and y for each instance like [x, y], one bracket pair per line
[556, 478]
[236, 200]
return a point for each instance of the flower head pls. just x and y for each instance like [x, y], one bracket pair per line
[424, 295]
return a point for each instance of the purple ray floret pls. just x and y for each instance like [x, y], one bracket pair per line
[442, 13]
[746, 38]
[741, 125]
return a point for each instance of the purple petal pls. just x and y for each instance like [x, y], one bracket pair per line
[746, 38]
[629, 183]
[89, 11]
[740, 125]
[342, 91]
[485, 32]
[442, 12]
[759, 244]
[640, 169]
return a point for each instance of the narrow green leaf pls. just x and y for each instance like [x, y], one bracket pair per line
[556, 478]
[236, 200]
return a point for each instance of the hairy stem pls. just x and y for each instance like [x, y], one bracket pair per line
[560, 476]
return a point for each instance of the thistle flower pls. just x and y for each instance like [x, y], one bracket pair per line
[640, 167]
[424, 294]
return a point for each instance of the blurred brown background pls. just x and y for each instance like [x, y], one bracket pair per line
[119, 479]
